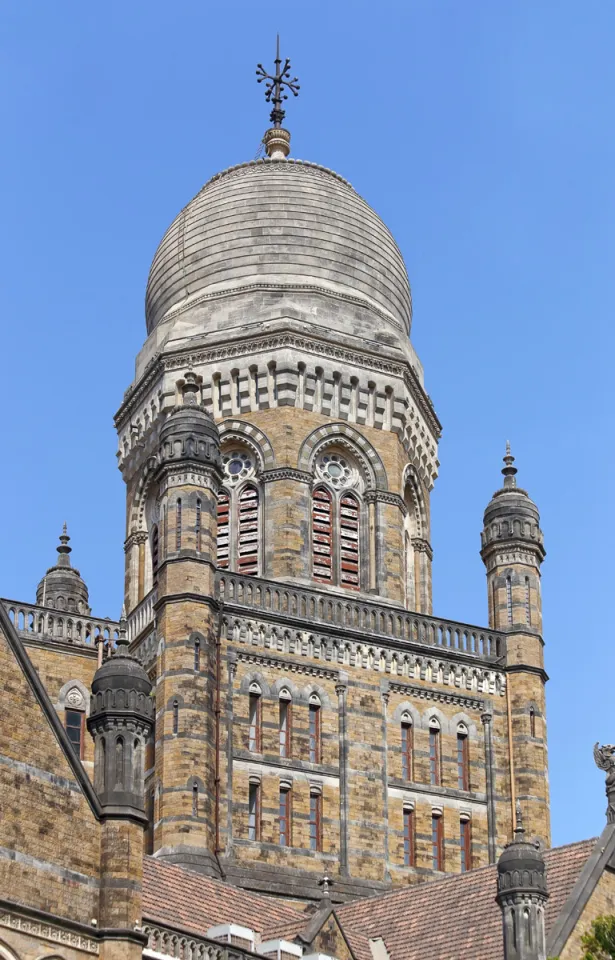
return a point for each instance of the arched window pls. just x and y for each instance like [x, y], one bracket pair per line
[239, 515]
[315, 820]
[435, 763]
[463, 758]
[74, 722]
[119, 764]
[409, 837]
[155, 552]
[528, 606]
[509, 604]
[176, 716]
[285, 727]
[178, 524]
[222, 539]
[255, 719]
[195, 799]
[248, 533]
[465, 842]
[254, 809]
[322, 534]
[197, 655]
[314, 729]
[437, 840]
[532, 722]
[349, 541]
[406, 746]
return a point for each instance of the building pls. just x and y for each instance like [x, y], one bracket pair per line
[278, 721]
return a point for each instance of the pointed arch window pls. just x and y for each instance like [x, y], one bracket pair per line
[155, 553]
[314, 729]
[435, 763]
[336, 538]
[285, 727]
[255, 719]
[406, 746]
[222, 539]
[463, 758]
[248, 533]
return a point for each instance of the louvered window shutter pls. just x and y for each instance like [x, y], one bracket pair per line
[247, 553]
[223, 530]
[349, 542]
[322, 534]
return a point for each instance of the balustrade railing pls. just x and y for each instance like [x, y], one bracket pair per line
[182, 945]
[142, 616]
[364, 616]
[52, 625]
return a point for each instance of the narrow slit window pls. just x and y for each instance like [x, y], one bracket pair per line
[463, 761]
[197, 656]
[509, 606]
[197, 526]
[322, 535]
[155, 552]
[254, 735]
[435, 767]
[178, 525]
[254, 811]
[409, 852]
[175, 716]
[247, 552]
[314, 731]
[349, 542]
[74, 724]
[465, 841]
[437, 842]
[195, 799]
[315, 821]
[528, 606]
[532, 722]
[406, 749]
[285, 726]
[222, 540]
[284, 817]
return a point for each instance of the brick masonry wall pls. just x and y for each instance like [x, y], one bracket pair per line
[601, 903]
[45, 816]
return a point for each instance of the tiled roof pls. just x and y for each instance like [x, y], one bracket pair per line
[451, 918]
[175, 896]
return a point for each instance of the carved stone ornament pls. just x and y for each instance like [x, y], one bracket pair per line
[74, 699]
[605, 760]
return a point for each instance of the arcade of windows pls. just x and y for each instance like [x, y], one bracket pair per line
[285, 747]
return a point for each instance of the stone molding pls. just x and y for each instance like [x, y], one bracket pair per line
[427, 693]
[180, 944]
[279, 663]
[207, 479]
[344, 435]
[231, 429]
[385, 496]
[286, 473]
[48, 931]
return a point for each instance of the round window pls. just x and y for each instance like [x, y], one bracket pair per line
[237, 465]
[335, 468]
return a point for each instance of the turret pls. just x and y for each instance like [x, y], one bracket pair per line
[62, 586]
[120, 721]
[512, 550]
[187, 480]
[522, 895]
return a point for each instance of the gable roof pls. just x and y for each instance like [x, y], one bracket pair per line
[40, 694]
[174, 895]
[454, 917]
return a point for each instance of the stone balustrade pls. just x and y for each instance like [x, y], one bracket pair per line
[142, 616]
[50, 625]
[366, 617]
[162, 942]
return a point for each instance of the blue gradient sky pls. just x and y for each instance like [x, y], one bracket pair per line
[482, 132]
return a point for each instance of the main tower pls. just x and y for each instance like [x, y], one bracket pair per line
[279, 451]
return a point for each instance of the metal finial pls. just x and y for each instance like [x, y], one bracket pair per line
[276, 84]
[509, 470]
[122, 639]
[325, 882]
[519, 828]
[64, 548]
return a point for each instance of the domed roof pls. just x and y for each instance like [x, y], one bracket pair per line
[62, 586]
[274, 224]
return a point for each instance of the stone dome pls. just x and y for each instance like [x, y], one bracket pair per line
[279, 224]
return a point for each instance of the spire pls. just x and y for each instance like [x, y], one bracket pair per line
[276, 139]
[508, 470]
[64, 549]
[122, 640]
[519, 828]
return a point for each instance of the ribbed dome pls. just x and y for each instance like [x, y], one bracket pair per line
[275, 224]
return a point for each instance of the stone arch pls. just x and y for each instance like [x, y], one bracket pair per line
[407, 707]
[250, 436]
[464, 718]
[321, 693]
[137, 512]
[6, 953]
[433, 713]
[415, 501]
[345, 436]
[74, 687]
[285, 683]
[254, 676]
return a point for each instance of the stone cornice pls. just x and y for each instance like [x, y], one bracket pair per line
[282, 663]
[247, 347]
[384, 496]
[286, 473]
[442, 696]
[46, 926]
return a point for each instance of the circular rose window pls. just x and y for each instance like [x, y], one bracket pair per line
[335, 468]
[237, 465]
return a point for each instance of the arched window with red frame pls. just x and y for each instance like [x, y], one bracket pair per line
[222, 539]
[349, 530]
[322, 535]
[248, 530]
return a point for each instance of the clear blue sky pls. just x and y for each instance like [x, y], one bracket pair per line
[481, 131]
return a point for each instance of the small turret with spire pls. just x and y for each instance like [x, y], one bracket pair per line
[62, 586]
[522, 895]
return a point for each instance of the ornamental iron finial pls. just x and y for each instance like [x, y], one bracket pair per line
[276, 84]
[509, 470]
[605, 760]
